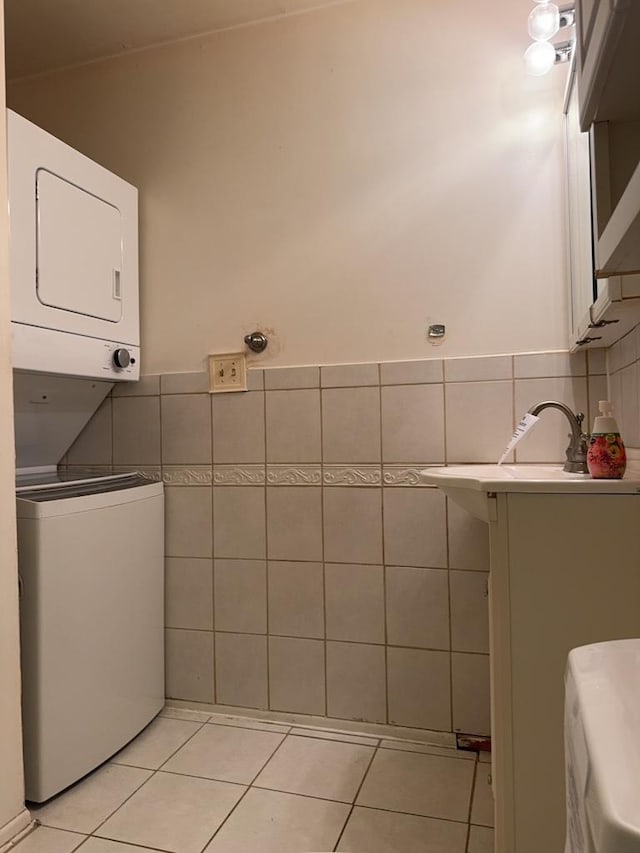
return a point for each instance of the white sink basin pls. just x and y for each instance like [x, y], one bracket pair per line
[469, 485]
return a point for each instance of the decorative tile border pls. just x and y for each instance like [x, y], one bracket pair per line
[405, 475]
[151, 472]
[294, 475]
[193, 476]
[238, 475]
[350, 475]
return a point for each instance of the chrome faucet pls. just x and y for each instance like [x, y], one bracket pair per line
[577, 450]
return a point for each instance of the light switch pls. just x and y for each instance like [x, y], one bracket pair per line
[227, 372]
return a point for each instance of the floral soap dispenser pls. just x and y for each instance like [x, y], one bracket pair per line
[606, 456]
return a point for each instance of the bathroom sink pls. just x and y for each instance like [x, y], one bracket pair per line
[469, 485]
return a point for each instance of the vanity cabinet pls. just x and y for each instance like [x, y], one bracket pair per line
[565, 572]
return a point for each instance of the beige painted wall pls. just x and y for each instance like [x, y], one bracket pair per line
[13, 816]
[341, 177]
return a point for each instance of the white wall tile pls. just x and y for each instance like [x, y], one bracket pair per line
[415, 527]
[238, 427]
[296, 675]
[410, 372]
[352, 525]
[293, 426]
[417, 607]
[476, 369]
[351, 425]
[146, 386]
[356, 682]
[294, 523]
[550, 364]
[413, 423]
[239, 522]
[189, 593]
[629, 423]
[597, 362]
[241, 670]
[187, 521]
[419, 688]
[182, 383]
[136, 430]
[355, 603]
[186, 429]
[280, 378]
[296, 599]
[349, 375]
[189, 665]
[240, 596]
[479, 420]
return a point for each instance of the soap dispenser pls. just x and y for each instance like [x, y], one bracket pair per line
[606, 456]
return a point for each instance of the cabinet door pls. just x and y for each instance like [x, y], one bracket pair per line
[580, 243]
[598, 28]
[79, 250]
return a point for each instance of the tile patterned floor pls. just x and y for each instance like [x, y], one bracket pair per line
[193, 782]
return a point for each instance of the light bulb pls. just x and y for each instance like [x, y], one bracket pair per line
[544, 21]
[539, 58]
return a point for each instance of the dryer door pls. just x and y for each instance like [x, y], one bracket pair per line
[79, 249]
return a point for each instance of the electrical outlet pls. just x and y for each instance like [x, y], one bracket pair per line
[227, 372]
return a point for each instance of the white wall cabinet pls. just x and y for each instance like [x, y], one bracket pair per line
[565, 572]
[608, 71]
[602, 148]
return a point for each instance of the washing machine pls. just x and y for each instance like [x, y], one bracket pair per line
[602, 748]
[90, 547]
[90, 558]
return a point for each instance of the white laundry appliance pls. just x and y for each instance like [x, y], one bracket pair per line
[602, 748]
[90, 548]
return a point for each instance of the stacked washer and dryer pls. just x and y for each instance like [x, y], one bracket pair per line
[90, 548]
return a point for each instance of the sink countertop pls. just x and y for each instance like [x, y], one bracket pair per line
[528, 478]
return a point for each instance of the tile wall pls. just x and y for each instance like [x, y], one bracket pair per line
[624, 378]
[307, 568]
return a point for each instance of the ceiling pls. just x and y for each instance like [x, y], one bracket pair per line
[42, 35]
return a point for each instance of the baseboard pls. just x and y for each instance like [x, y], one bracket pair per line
[15, 830]
[446, 739]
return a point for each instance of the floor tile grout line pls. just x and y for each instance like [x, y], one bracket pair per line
[124, 843]
[199, 729]
[152, 771]
[474, 784]
[356, 795]
[248, 788]
[135, 791]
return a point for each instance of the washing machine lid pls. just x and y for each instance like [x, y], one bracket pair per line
[605, 679]
[55, 487]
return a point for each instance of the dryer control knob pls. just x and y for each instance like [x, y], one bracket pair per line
[122, 358]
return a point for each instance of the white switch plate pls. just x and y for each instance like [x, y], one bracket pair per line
[227, 372]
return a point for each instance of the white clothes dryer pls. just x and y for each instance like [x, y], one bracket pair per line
[73, 260]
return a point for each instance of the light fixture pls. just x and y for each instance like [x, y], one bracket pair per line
[539, 58]
[545, 20]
